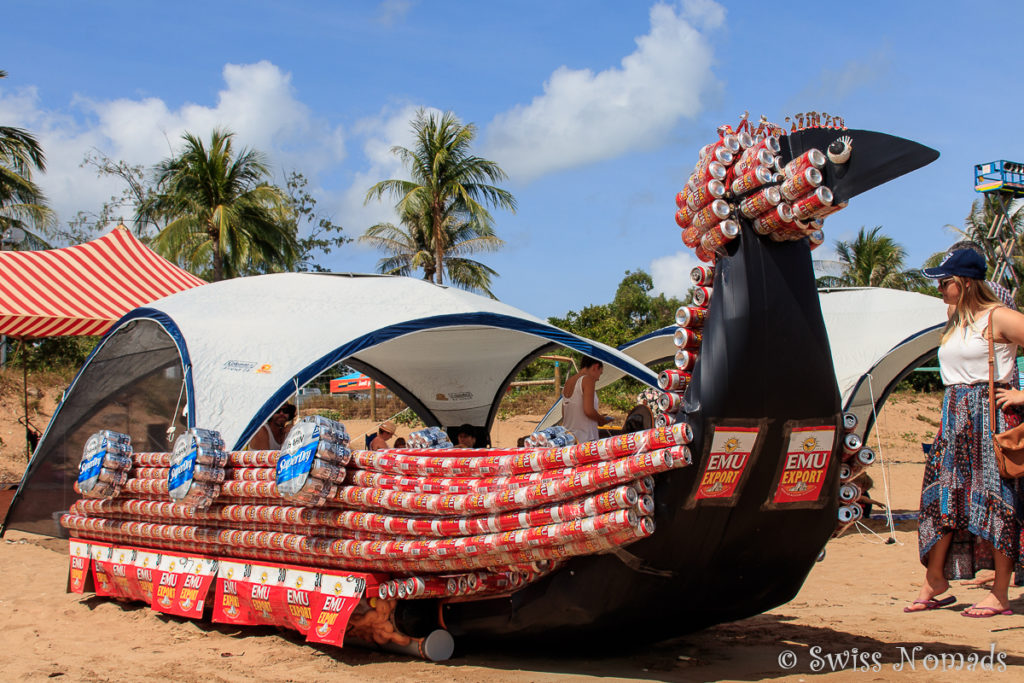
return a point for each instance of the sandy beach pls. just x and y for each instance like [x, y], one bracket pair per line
[848, 614]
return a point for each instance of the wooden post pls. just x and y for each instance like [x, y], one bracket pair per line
[373, 399]
[558, 380]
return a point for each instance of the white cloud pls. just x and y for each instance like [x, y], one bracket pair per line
[257, 102]
[391, 12]
[584, 117]
[671, 274]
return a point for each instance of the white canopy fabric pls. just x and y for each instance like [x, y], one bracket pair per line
[247, 344]
[875, 335]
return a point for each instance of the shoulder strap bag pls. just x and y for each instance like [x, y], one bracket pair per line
[1009, 445]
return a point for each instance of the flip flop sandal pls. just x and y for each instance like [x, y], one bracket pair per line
[931, 604]
[988, 612]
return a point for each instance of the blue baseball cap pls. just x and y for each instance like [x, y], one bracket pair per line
[963, 262]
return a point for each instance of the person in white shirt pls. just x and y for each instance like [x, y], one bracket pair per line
[579, 405]
[271, 435]
[969, 518]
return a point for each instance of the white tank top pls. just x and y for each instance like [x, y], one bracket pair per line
[573, 417]
[274, 444]
[963, 357]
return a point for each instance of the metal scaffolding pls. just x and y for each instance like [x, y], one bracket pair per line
[1001, 182]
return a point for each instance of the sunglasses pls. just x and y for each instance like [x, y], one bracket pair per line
[944, 281]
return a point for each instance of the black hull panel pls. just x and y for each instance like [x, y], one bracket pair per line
[765, 361]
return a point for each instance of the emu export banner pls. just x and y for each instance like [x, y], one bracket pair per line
[726, 463]
[338, 596]
[316, 604]
[805, 464]
[181, 584]
[78, 572]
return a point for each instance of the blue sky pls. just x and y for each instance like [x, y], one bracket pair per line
[595, 108]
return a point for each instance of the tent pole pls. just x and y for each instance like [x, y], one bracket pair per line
[373, 399]
[24, 393]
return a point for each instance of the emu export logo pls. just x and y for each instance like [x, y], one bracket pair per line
[805, 465]
[727, 459]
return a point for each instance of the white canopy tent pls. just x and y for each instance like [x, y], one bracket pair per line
[228, 354]
[876, 336]
[251, 342]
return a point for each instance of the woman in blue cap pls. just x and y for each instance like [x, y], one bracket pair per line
[968, 519]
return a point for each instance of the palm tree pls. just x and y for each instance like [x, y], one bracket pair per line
[446, 179]
[221, 215]
[411, 247]
[22, 203]
[984, 211]
[873, 260]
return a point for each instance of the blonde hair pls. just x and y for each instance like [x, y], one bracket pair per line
[973, 301]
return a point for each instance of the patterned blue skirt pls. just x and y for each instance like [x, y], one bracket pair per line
[963, 492]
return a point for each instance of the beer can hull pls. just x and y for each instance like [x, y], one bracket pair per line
[801, 184]
[702, 275]
[691, 316]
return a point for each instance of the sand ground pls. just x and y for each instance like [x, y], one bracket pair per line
[851, 604]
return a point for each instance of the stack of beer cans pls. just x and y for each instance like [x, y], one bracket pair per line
[105, 465]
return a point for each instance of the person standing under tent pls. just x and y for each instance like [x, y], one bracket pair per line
[579, 402]
[271, 435]
[969, 517]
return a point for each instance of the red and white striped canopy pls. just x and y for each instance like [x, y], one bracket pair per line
[83, 289]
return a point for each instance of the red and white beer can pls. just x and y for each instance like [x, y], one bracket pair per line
[816, 238]
[800, 184]
[715, 239]
[684, 216]
[712, 213]
[761, 202]
[702, 275]
[685, 338]
[705, 194]
[707, 169]
[865, 456]
[778, 218]
[769, 142]
[664, 420]
[673, 380]
[685, 360]
[812, 158]
[702, 296]
[691, 236]
[751, 160]
[808, 206]
[849, 422]
[670, 401]
[851, 443]
[849, 493]
[691, 316]
[703, 254]
[751, 180]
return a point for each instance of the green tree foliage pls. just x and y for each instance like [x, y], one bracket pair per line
[410, 246]
[22, 203]
[984, 212]
[324, 235]
[123, 207]
[448, 184]
[632, 313]
[221, 218]
[60, 354]
[873, 260]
